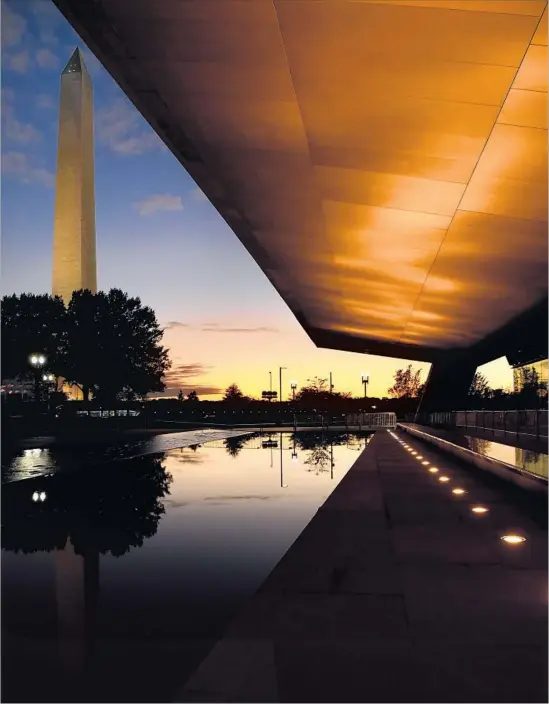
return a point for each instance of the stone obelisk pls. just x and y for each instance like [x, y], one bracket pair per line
[74, 265]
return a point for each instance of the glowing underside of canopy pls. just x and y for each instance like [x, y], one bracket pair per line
[385, 162]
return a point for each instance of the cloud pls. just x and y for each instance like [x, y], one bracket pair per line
[47, 16]
[13, 26]
[173, 324]
[19, 62]
[214, 327]
[18, 166]
[121, 129]
[45, 58]
[13, 130]
[159, 203]
[180, 376]
[45, 102]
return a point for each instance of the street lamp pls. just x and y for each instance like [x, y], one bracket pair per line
[280, 382]
[365, 380]
[37, 361]
[293, 386]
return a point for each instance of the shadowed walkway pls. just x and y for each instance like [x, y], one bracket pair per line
[396, 592]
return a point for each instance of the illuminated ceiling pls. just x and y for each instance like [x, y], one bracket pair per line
[384, 162]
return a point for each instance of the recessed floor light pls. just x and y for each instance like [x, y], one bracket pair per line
[419, 457]
[479, 509]
[425, 462]
[433, 470]
[458, 491]
[414, 453]
[444, 479]
[513, 539]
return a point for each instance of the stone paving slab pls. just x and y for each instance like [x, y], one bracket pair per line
[395, 592]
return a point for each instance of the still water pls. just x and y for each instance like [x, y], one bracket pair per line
[117, 579]
[526, 460]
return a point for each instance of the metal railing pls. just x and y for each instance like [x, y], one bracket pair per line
[371, 420]
[528, 422]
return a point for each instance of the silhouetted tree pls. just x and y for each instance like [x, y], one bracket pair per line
[180, 396]
[233, 393]
[30, 325]
[316, 395]
[193, 397]
[407, 383]
[480, 386]
[113, 346]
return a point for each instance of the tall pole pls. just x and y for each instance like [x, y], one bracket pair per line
[270, 381]
[280, 382]
[331, 385]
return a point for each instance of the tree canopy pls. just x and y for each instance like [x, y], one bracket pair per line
[233, 393]
[32, 324]
[480, 386]
[407, 383]
[107, 343]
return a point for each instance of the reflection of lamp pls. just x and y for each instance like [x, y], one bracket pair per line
[282, 485]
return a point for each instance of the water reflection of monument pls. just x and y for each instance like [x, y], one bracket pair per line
[97, 512]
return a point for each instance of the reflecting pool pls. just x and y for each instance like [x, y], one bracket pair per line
[527, 460]
[118, 578]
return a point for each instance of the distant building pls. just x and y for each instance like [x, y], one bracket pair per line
[541, 369]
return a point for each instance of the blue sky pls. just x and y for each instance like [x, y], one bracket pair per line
[157, 236]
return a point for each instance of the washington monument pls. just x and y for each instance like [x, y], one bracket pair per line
[74, 265]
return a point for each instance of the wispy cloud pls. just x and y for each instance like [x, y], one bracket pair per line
[13, 130]
[13, 26]
[45, 58]
[159, 203]
[48, 18]
[19, 62]
[217, 327]
[181, 376]
[173, 324]
[120, 128]
[45, 102]
[214, 327]
[17, 166]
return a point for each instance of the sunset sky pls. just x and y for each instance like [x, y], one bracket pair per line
[157, 236]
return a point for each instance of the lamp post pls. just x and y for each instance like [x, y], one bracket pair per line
[37, 361]
[365, 380]
[280, 382]
[293, 386]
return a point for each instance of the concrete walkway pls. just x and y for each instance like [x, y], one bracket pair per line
[396, 592]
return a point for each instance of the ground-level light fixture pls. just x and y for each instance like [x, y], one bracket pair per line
[39, 496]
[425, 462]
[419, 457]
[458, 491]
[513, 539]
[479, 509]
[444, 479]
[433, 470]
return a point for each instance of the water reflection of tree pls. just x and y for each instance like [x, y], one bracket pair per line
[108, 510]
[479, 445]
[235, 445]
[319, 459]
